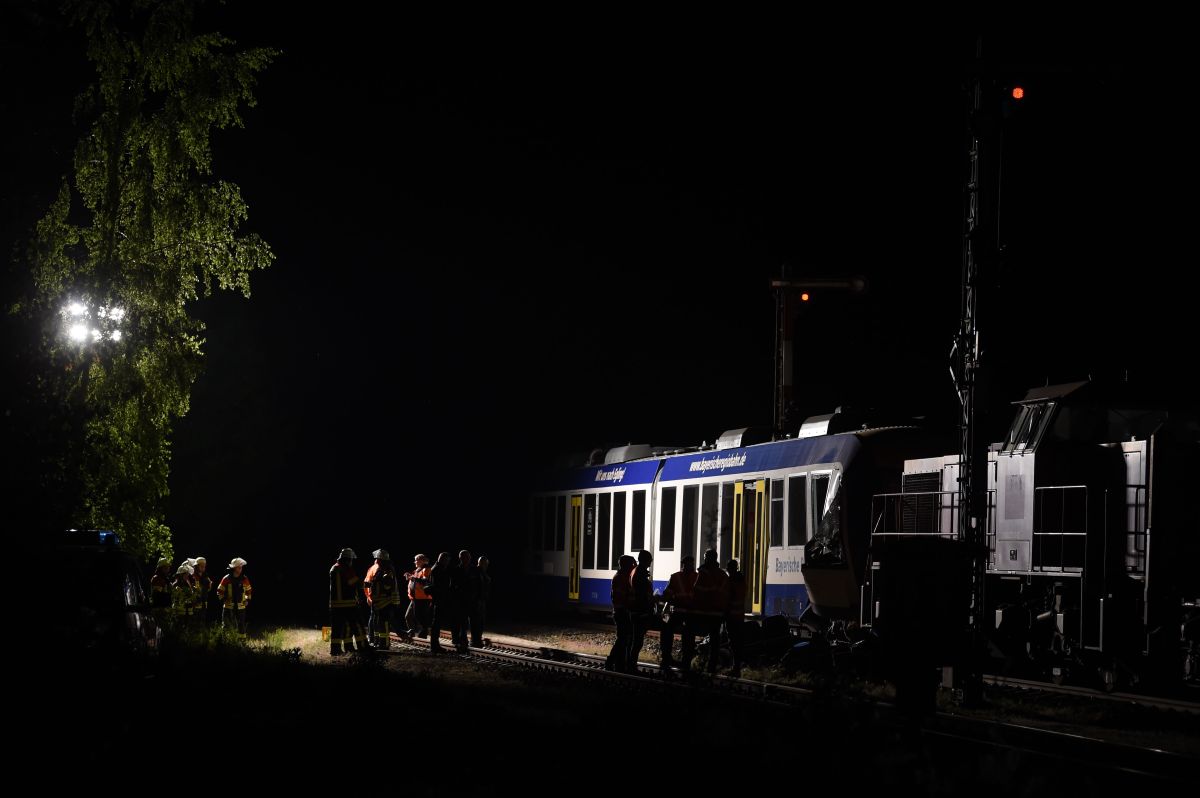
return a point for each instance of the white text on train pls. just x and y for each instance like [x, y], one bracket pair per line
[616, 475]
[719, 463]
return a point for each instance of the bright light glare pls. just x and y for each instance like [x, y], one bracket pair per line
[78, 332]
[115, 335]
[77, 309]
[116, 314]
[95, 335]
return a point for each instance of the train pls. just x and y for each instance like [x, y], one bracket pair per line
[1092, 543]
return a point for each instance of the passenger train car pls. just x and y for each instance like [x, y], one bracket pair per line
[755, 500]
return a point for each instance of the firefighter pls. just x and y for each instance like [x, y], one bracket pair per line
[160, 591]
[679, 594]
[183, 595]
[420, 603]
[382, 594]
[343, 606]
[203, 589]
[234, 594]
[620, 593]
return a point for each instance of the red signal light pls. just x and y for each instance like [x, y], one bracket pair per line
[1018, 92]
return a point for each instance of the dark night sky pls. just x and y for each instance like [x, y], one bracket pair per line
[495, 249]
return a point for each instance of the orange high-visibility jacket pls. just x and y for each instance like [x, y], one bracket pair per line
[380, 586]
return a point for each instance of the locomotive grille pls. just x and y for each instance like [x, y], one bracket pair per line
[920, 514]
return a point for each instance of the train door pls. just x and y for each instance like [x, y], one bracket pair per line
[758, 558]
[575, 549]
[749, 539]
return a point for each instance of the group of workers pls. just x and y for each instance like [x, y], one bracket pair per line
[452, 595]
[695, 602]
[184, 600]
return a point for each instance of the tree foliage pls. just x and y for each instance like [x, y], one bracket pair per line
[140, 231]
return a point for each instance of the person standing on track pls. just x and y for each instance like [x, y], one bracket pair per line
[419, 614]
[621, 594]
[641, 607]
[382, 594]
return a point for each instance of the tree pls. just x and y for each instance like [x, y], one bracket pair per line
[140, 233]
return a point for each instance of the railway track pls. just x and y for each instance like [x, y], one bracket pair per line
[944, 727]
[1031, 685]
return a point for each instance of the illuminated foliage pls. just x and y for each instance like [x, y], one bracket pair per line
[143, 226]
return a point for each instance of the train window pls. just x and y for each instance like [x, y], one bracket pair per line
[618, 528]
[560, 524]
[603, 524]
[687, 531]
[726, 523]
[797, 511]
[666, 521]
[637, 535]
[548, 524]
[1028, 427]
[777, 512]
[708, 517]
[589, 531]
[820, 489]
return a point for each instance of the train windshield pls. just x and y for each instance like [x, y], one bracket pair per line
[1027, 428]
[826, 546]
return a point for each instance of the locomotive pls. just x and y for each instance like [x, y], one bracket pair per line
[1091, 549]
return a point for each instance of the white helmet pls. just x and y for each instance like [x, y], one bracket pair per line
[184, 569]
[235, 562]
[381, 554]
[347, 554]
[198, 560]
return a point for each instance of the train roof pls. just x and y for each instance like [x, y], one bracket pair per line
[715, 462]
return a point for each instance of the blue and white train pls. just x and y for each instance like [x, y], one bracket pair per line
[761, 503]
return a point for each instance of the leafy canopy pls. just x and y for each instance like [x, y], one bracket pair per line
[141, 231]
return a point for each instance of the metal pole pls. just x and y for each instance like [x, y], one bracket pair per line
[980, 253]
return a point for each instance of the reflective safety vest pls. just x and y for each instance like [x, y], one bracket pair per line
[380, 586]
[417, 583]
[343, 587]
[183, 599]
[234, 592]
[622, 591]
[203, 588]
[679, 589]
